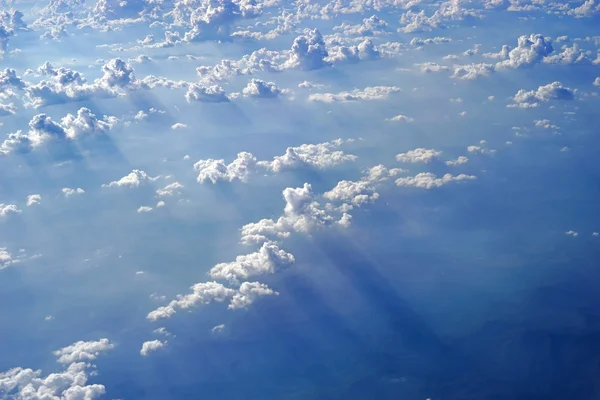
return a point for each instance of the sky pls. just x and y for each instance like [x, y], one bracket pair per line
[312, 199]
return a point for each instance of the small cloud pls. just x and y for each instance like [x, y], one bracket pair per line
[178, 125]
[218, 329]
[151, 346]
[144, 209]
[68, 192]
[572, 233]
[48, 318]
[33, 199]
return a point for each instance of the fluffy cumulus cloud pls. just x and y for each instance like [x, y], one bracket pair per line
[427, 180]
[419, 155]
[258, 88]
[206, 94]
[267, 260]
[216, 170]
[6, 209]
[6, 258]
[43, 130]
[308, 51]
[248, 293]
[551, 91]
[69, 384]
[134, 179]
[530, 50]
[368, 93]
[83, 351]
[202, 294]
[151, 346]
[33, 199]
[69, 192]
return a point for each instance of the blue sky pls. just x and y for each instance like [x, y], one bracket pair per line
[299, 200]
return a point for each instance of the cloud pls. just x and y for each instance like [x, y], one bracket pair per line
[7, 109]
[530, 50]
[362, 52]
[248, 293]
[459, 161]
[260, 89]
[144, 209]
[206, 94]
[427, 180]
[308, 52]
[83, 351]
[202, 294]
[401, 118]
[6, 260]
[169, 190]
[216, 170]
[472, 71]
[572, 233]
[368, 93]
[419, 155]
[33, 199]
[68, 192]
[427, 67]
[569, 55]
[597, 81]
[551, 91]
[269, 259]
[134, 179]
[6, 209]
[178, 126]
[151, 346]
[86, 123]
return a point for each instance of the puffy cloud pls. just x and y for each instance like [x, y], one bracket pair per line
[308, 51]
[83, 351]
[206, 94]
[371, 26]
[269, 259]
[68, 192]
[569, 55]
[431, 67]
[551, 91]
[401, 118]
[134, 179]
[472, 71]
[33, 199]
[427, 180]
[144, 209]
[459, 161]
[530, 49]
[178, 126]
[5, 33]
[170, 189]
[248, 293]
[355, 193]
[597, 81]
[7, 109]
[572, 233]
[322, 155]
[202, 294]
[364, 51]
[6, 260]
[260, 89]
[86, 123]
[151, 346]
[419, 155]
[9, 81]
[6, 209]
[368, 93]
[302, 213]
[216, 170]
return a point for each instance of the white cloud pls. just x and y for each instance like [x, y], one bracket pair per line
[368, 93]
[597, 81]
[6, 259]
[178, 126]
[68, 192]
[218, 329]
[419, 155]
[151, 346]
[134, 179]
[269, 259]
[202, 294]
[427, 180]
[572, 233]
[33, 199]
[530, 49]
[216, 170]
[144, 209]
[86, 123]
[460, 160]
[206, 94]
[170, 189]
[308, 51]
[248, 293]
[401, 118]
[83, 351]
[551, 91]
[322, 155]
[260, 89]
[472, 71]
[6, 209]
[427, 67]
